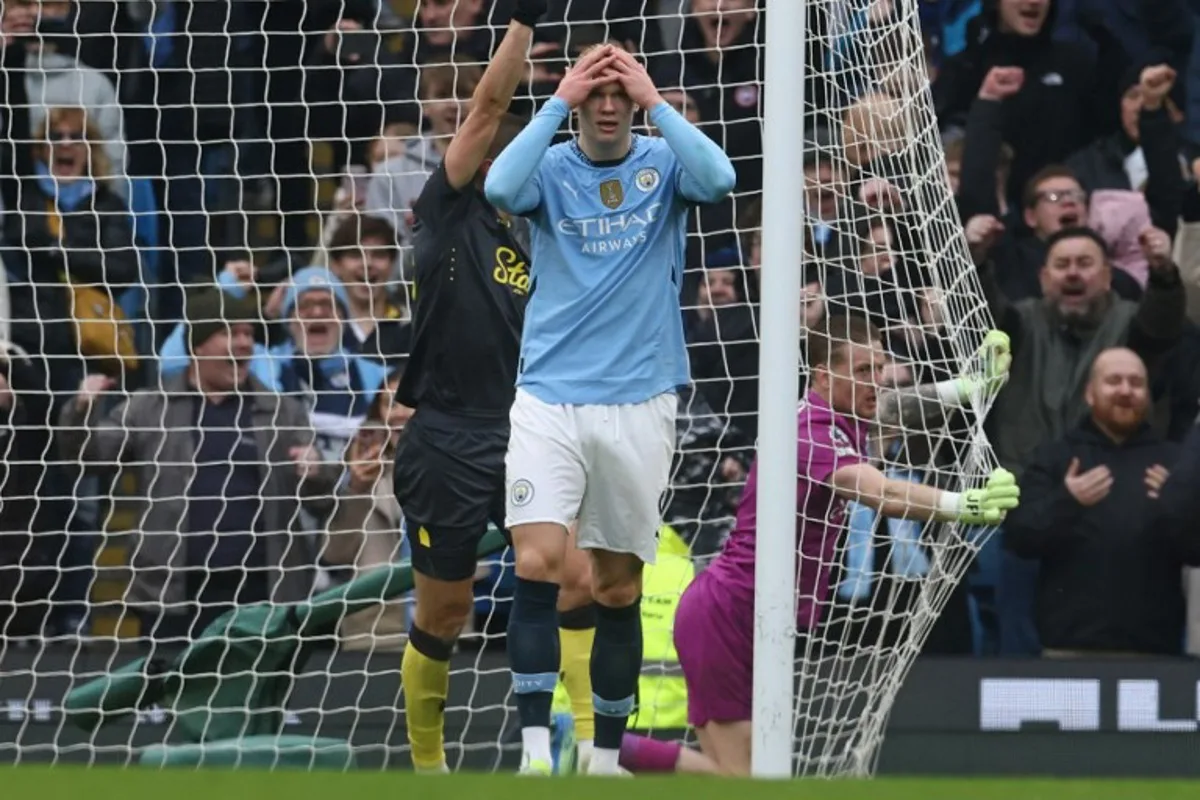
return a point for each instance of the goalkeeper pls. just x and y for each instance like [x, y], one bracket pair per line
[714, 623]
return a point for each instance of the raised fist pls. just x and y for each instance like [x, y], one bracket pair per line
[528, 12]
[1156, 83]
[1002, 83]
[307, 460]
[982, 231]
[1156, 247]
[242, 270]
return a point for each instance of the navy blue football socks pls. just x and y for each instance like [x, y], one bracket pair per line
[533, 652]
[616, 666]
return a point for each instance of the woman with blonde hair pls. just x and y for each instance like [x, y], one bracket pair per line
[70, 250]
[77, 232]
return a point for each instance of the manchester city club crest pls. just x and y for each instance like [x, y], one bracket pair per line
[521, 492]
[611, 194]
[646, 179]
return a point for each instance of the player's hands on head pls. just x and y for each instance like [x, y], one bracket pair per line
[528, 12]
[592, 70]
[635, 80]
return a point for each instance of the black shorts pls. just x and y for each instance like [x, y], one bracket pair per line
[449, 481]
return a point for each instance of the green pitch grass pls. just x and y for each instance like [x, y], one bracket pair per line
[76, 783]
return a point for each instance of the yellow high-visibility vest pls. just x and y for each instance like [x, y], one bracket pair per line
[662, 693]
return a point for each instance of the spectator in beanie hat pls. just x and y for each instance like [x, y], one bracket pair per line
[337, 386]
[210, 312]
[227, 464]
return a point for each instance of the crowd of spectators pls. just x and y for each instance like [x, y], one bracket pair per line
[148, 144]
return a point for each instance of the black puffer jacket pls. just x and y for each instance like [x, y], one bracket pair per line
[94, 246]
[1110, 576]
[1101, 165]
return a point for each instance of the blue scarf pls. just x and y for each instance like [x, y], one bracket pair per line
[333, 383]
[68, 195]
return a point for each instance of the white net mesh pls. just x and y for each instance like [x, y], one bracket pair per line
[153, 147]
[889, 246]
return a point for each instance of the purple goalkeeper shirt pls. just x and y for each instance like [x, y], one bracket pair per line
[826, 442]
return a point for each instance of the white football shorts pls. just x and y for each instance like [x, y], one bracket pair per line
[606, 466]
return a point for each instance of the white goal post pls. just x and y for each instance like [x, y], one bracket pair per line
[168, 167]
[779, 391]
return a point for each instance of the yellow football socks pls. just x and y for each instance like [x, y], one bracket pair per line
[576, 649]
[425, 674]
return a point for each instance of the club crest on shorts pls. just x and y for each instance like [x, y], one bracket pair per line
[521, 492]
[612, 194]
[646, 179]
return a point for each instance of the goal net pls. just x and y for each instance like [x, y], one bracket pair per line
[182, 178]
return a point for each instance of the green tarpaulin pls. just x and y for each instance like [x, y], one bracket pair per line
[227, 689]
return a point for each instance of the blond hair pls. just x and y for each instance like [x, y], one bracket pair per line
[99, 167]
[876, 124]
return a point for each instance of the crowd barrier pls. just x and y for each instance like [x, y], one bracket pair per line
[953, 716]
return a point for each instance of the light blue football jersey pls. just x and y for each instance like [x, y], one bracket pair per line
[604, 324]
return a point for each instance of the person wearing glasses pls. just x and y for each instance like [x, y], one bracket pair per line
[1055, 338]
[1053, 200]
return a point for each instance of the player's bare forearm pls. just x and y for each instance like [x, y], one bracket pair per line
[489, 104]
[865, 484]
[708, 174]
[502, 76]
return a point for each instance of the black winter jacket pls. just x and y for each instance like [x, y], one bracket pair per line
[1058, 110]
[95, 246]
[1110, 578]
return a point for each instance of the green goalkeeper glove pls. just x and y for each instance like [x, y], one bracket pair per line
[989, 505]
[987, 371]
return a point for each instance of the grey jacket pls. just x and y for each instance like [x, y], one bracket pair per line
[1044, 397]
[153, 432]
